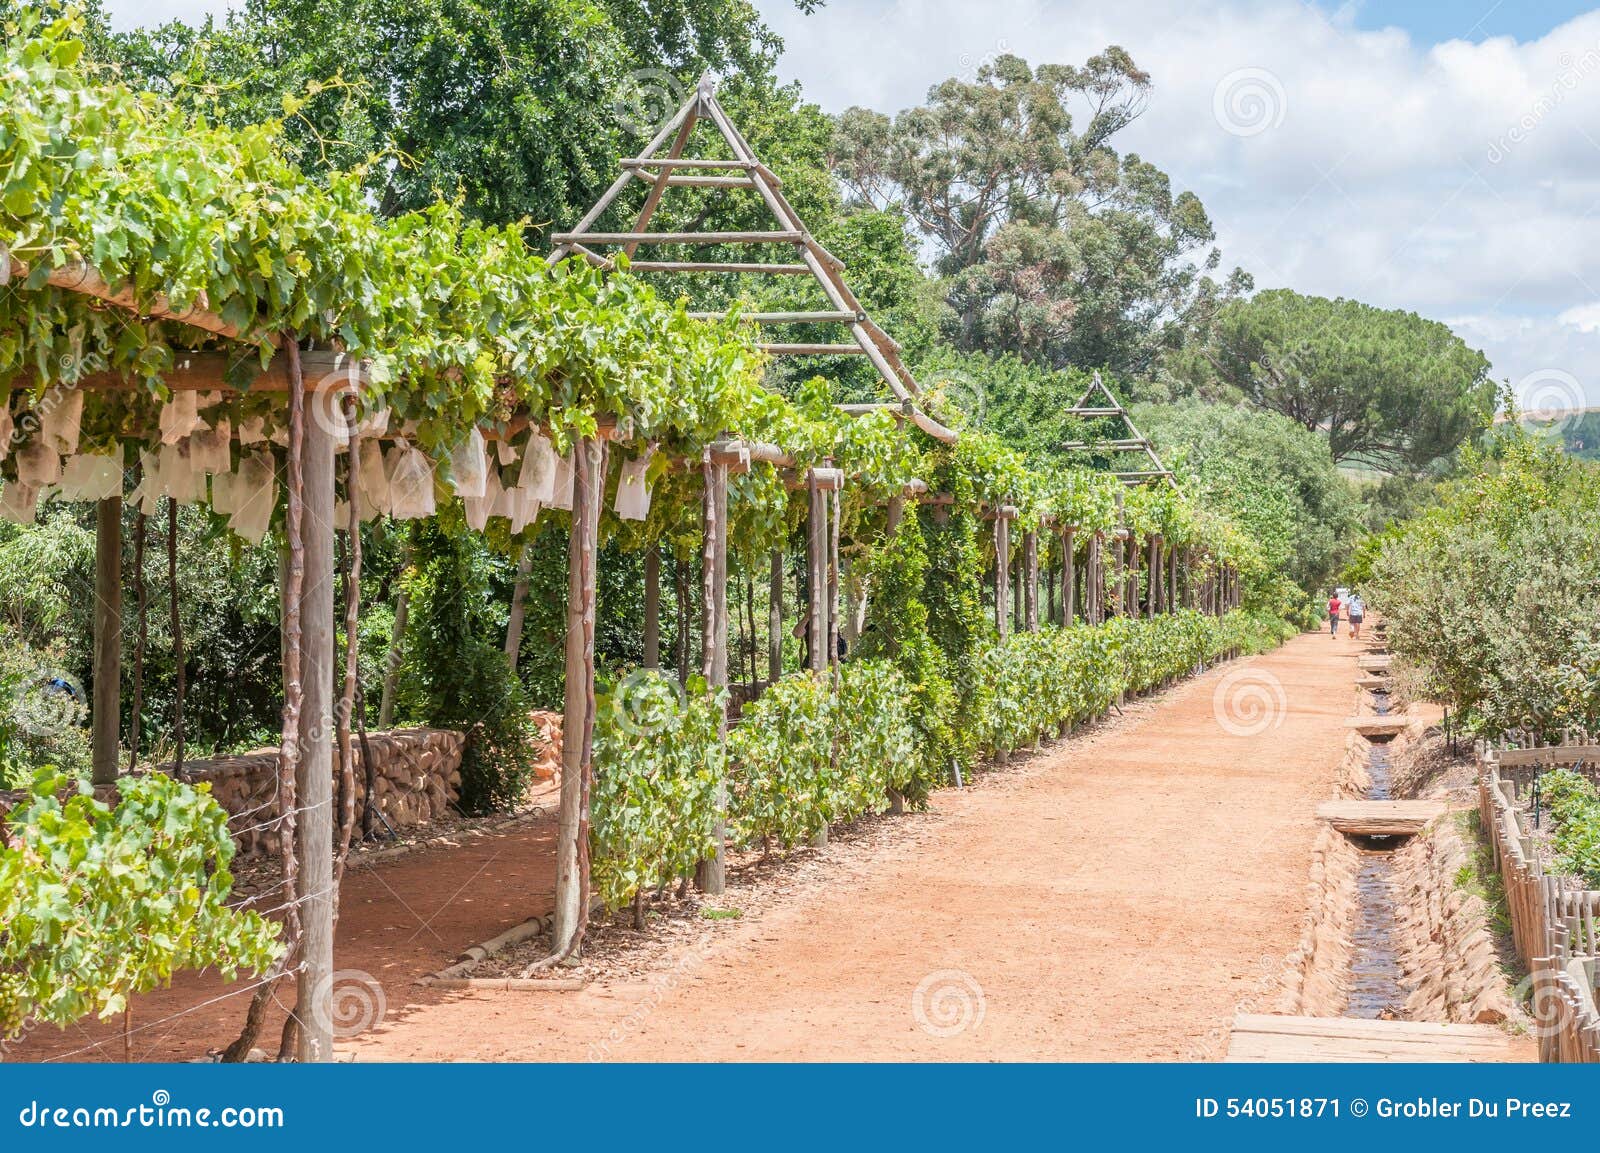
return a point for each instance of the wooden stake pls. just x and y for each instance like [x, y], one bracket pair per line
[177, 632]
[711, 873]
[1002, 576]
[314, 784]
[107, 639]
[519, 600]
[775, 617]
[572, 826]
[652, 607]
[1030, 587]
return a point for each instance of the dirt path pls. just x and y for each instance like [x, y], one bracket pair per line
[1116, 897]
[400, 918]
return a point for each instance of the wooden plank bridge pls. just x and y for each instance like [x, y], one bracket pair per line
[1380, 818]
[1261, 1037]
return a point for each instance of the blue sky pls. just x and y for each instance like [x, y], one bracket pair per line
[1437, 157]
[1434, 21]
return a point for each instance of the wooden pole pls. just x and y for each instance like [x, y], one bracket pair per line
[314, 771]
[1002, 576]
[397, 636]
[652, 607]
[577, 725]
[775, 617]
[816, 574]
[710, 875]
[1030, 587]
[833, 579]
[141, 595]
[1069, 578]
[176, 624]
[107, 638]
[519, 600]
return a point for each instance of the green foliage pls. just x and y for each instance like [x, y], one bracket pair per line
[1491, 597]
[99, 904]
[455, 678]
[660, 763]
[1270, 475]
[1389, 388]
[1574, 806]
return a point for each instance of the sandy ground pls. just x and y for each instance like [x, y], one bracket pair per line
[1117, 896]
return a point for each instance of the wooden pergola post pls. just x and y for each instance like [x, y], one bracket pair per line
[107, 638]
[821, 483]
[1002, 574]
[519, 601]
[1173, 596]
[775, 617]
[710, 875]
[1154, 597]
[577, 725]
[1069, 577]
[1030, 579]
[652, 607]
[314, 765]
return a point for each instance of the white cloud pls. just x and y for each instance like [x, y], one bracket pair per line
[1583, 317]
[1459, 181]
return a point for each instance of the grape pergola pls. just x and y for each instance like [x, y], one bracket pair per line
[314, 329]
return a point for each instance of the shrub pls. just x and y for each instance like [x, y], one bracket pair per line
[98, 904]
[660, 764]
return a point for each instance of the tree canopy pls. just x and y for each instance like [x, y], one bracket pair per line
[1056, 247]
[1389, 388]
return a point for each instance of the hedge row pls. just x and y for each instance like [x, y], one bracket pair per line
[805, 755]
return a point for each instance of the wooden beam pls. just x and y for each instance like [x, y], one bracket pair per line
[577, 727]
[78, 276]
[711, 872]
[786, 318]
[668, 163]
[637, 238]
[811, 349]
[718, 266]
[208, 372]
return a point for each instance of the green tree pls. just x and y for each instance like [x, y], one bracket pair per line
[1272, 476]
[1057, 248]
[1389, 388]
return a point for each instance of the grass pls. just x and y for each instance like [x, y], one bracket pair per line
[722, 914]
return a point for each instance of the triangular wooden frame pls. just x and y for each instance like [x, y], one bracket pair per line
[672, 169]
[1135, 441]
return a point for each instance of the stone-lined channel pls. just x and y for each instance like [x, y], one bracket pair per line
[1375, 987]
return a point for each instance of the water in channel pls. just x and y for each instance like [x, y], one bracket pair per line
[1374, 962]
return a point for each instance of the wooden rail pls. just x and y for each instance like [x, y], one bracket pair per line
[1555, 921]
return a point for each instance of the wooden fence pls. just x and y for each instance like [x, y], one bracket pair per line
[1555, 921]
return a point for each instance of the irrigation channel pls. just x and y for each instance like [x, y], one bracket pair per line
[1375, 988]
[1396, 963]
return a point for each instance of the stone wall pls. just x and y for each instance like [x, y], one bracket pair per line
[417, 778]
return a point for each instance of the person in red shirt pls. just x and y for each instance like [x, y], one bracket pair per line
[1334, 605]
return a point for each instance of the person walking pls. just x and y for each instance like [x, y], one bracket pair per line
[1356, 610]
[1334, 605]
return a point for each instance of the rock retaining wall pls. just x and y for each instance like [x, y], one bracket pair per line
[417, 777]
[1447, 956]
